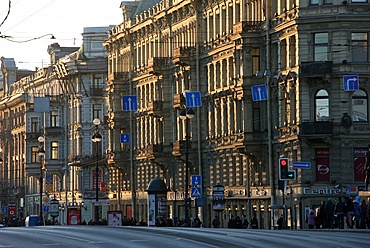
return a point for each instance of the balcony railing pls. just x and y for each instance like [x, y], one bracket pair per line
[316, 68]
[316, 127]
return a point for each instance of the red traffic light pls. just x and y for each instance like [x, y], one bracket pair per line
[283, 162]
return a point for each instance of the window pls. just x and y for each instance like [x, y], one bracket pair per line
[34, 154]
[328, 1]
[359, 1]
[321, 46]
[322, 106]
[255, 60]
[54, 150]
[54, 118]
[34, 124]
[314, 2]
[97, 111]
[359, 47]
[359, 106]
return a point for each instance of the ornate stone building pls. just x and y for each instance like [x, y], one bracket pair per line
[302, 51]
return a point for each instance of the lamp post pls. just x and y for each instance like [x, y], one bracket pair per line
[187, 114]
[96, 138]
[41, 154]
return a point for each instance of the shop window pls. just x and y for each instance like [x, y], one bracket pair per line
[358, 164]
[322, 164]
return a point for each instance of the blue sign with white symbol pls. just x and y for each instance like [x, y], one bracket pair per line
[301, 165]
[196, 180]
[350, 83]
[193, 99]
[348, 190]
[129, 103]
[196, 192]
[46, 209]
[259, 92]
[125, 138]
[5, 209]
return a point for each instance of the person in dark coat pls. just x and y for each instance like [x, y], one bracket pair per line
[329, 212]
[323, 215]
[340, 211]
[367, 167]
[254, 222]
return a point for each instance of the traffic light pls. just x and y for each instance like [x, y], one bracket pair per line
[284, 172]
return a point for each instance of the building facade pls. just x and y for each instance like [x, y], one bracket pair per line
[59, 104]
[302, 51]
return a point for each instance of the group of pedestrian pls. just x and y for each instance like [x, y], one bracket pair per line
[349, 213]
[237, 222]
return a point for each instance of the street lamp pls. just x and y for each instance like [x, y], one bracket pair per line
[96, 138]
[187, 114]
[41, 154]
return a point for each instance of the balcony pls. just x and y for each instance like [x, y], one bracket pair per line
[178, 100]
[183, 55]
[316, 128]
[156, 65]
[97, 91]
[244, 27]
[154, 107]
[316, 68]
[123, 76]
[178, 147]
[53, 131]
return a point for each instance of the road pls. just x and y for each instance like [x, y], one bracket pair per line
[144, 237]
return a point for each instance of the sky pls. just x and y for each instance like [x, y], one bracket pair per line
[65, 19]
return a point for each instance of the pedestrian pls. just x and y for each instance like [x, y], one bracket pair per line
[238, 222]
[357, 217]
[318, 219]
[363, 210]
[216, 222]
[340, 210]
[232, 222]
[280, 222]
[329, 211]
[350, 213]
[254, 222]
[367, 167]
[311, 219]
[323, 215]
[245, 222]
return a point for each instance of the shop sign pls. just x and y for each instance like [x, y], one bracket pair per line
[322, 191]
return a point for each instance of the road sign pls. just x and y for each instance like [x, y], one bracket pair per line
[5, 209]
[125, 138]
[129, 103]
[196, 192]
[348, 190]
[46, 209]
[196, 180]
[350, 82]
[193, 99]
[301, 165]
[259, 92]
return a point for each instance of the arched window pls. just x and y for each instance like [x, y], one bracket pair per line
[322, 106]
[359, 106]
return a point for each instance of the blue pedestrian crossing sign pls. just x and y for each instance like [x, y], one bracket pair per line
[125, 138]
[259, 92]
[129, 103]
[193, 99]
[5, 209]
[46, 209]
[196, 192]
[350, 83]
